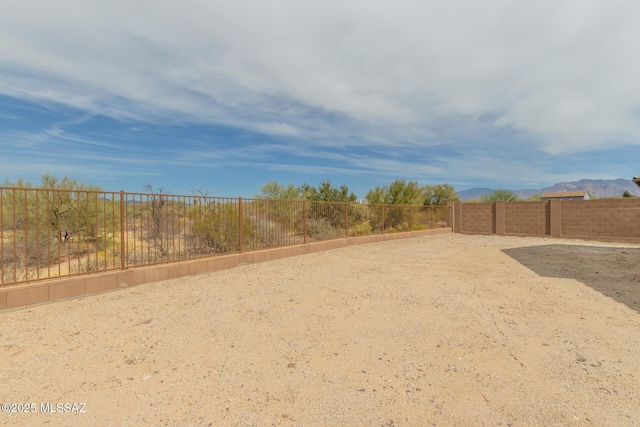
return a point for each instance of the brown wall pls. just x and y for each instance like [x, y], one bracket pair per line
[528, 218]
[478, 218]
[606, 220]
[454, 217]
[601, 218]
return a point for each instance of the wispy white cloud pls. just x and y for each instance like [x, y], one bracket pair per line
[563, 73]
[498, 91]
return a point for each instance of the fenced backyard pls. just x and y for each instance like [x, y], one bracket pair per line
[444, 329]
[57, 233]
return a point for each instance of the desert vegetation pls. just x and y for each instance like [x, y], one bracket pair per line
[63, 227]
[66, 227]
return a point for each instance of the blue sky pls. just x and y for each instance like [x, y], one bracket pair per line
[225, 96]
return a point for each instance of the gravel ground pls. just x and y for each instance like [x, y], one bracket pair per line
[438, 330]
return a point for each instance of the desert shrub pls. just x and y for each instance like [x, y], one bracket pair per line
[16, 271]
[218, 231]
[440, 217]
[396, 218]
[374, 217]
[63, 218]
[88, 265]
[421, 218]
[286, 215]
[328, 202]
[360, 230]
[321, 228]
[270, 235]
[332, 214]
[158, 221]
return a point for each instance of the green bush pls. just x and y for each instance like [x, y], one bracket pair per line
[360, 230]
[218, 231]
[62, 218]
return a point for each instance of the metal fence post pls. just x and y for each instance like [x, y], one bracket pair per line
[122, 234]
[346, 219]
[410, 219]
[383, 219]
[26, 236]
[432, 217]
[304, 220]
[2, 236]
[240, 222]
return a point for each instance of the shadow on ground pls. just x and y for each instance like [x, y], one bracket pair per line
[614, 272]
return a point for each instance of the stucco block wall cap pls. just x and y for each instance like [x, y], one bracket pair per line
[564, 194]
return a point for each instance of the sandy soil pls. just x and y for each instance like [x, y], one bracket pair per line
[441, 330]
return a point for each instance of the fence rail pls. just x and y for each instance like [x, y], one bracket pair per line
[56, 233]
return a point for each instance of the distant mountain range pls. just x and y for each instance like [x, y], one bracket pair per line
[595, 187]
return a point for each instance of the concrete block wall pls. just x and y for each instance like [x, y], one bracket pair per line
[555, 218]
[605, 220]
[529, 218]
[454, 216]
[478, 218]
[612, 218]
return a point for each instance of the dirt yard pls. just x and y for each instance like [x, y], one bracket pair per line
[441, 330]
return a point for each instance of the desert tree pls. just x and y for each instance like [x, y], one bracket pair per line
[326, 192]
[160, 220]
[328, 208]
[439, 195]
[42, 219]
[398, 192]
[278, 211]
[273, 190]
[57, 205]
[500, 195]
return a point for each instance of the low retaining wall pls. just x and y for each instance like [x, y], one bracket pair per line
[73, 287]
